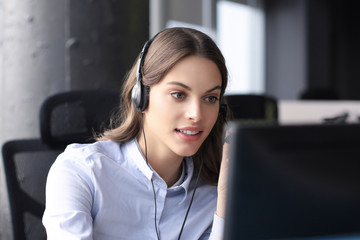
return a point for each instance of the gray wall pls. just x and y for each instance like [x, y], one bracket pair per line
[312, 46]
[32, 67]
[286, 48]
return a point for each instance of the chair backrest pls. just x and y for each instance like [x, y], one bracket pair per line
[253, 108]
[26, 164]
[74, 116]
[64, 118]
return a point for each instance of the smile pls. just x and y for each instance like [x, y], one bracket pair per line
[188, 132]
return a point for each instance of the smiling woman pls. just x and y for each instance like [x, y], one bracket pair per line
[181, 115]
[138, 181]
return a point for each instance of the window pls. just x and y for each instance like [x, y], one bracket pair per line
[238, 27]
[240, 36]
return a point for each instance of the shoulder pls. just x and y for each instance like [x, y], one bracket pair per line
[208, 191]
[89, 155]
[86, 152]
[106, 148]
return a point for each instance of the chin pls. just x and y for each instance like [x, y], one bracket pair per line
[188, 152]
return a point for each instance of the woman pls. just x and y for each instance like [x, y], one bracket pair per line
[139, 180]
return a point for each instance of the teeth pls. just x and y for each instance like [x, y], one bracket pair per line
[188, 132]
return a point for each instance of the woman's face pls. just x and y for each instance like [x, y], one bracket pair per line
[183, 107]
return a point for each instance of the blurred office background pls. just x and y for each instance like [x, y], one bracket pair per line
[282, 48]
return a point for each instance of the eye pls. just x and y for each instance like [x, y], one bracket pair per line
[178, 95]
[211, 99]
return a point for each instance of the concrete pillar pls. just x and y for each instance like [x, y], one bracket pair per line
[32, 68]
[103, 39]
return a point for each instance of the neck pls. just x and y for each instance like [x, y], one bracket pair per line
[167, 165]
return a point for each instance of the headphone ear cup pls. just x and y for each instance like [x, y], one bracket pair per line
[140, 93]
[140, 96]
[145, 90]
[136, 95]
[223, 110]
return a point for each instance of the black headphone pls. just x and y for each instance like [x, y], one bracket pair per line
[140, 92]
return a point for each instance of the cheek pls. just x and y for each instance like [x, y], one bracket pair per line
[159, 103]
[160, 108]
[211, 118]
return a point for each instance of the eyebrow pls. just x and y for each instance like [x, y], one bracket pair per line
[188, 88]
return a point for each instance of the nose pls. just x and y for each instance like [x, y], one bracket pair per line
[194, 111]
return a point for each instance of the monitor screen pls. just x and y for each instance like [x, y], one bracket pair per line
[290, 182]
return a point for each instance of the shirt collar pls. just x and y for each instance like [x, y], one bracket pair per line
[182, 176]
[188, 169]
[140, 161]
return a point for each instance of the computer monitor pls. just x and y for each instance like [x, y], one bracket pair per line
[290, 182]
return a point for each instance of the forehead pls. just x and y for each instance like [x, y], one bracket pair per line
[194, 71]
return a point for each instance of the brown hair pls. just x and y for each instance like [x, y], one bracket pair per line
[168, 48]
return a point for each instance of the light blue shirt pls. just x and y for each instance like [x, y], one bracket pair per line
[103, 191]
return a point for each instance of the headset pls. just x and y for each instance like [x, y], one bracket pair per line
[140, 99]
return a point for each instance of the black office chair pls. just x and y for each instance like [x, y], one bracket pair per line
[74, 116]
[253, 108]
[26, 164]
[64, 118]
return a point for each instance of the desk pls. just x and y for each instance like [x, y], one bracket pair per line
[306, 111]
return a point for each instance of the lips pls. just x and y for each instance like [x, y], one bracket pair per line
[189, 133]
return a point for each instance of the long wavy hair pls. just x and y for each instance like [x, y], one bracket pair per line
[167, 48]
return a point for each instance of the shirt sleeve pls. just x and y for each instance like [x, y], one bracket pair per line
[68, 202]
[217, 231]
